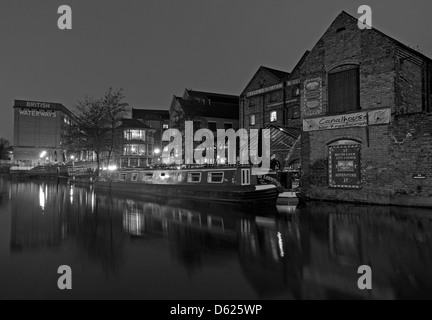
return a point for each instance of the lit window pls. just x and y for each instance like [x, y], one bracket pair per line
[134, 135]
[194, 177]
[165, 126]
[252, 120]
[273, 116]
[215, 177]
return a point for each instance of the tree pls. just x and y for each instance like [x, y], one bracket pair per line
[116, 109]
[89, 129]
[4, 144]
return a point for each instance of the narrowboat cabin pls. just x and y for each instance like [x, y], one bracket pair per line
[224, 184]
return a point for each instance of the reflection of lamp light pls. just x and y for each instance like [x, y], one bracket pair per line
[157, 151]
[43, 154]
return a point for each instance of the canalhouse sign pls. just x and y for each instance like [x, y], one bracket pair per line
[344, 166]
[359, 119]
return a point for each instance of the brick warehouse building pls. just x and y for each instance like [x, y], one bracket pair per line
[366, 105]
[271, 100]
[38, 127]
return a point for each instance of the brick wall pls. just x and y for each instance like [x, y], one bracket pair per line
[390, 154]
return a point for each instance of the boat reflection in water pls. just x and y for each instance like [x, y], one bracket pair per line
[158, 248]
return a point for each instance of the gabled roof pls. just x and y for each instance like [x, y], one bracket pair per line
[134, 124]
[398, 43]
[278, 75]
[299, 63]
[213, 97]
[215, 110]
[281, 75]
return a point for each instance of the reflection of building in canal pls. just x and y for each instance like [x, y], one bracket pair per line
[311, 255]
[268, 248]
[271, 257]
[36, 216]
[338, 239]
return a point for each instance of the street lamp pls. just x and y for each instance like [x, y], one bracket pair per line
[157, 151]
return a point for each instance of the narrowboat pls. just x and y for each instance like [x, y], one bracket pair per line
[224, 184]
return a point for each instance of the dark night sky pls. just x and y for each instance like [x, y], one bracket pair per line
[154, 49]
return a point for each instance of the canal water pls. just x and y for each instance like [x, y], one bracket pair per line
[122, 246]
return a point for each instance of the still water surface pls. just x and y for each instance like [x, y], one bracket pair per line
[121, 246]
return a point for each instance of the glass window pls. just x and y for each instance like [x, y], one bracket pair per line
[273, 116]
[252, 102]
[122, 177]
[135, 135]
[252, 119]
[215, 177]
[148, 177]
[125, 163]
[135, 149]
[165, 126]
[143, 162]
[134, 162]
[212, 126]
[194, 177]
[134, 177]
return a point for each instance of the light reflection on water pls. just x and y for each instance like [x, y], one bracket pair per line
[122, 246]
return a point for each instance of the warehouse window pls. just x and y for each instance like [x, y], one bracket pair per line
[252, 120]
[273, 116]
[344, 91]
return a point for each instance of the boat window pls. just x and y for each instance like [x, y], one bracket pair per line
[245, 177]
[122, 177]
[215, 177]
[134, 176]
[148, 177]
[194, 177]
[162, 174]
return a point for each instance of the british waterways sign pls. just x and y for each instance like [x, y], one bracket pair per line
[359, 119]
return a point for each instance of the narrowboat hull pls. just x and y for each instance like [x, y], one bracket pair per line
[253, 195]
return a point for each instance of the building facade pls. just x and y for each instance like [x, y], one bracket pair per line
[206, 110]
[155, 119]
[366, 103]
[271, 100]
[137, 144]
[38, 130]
